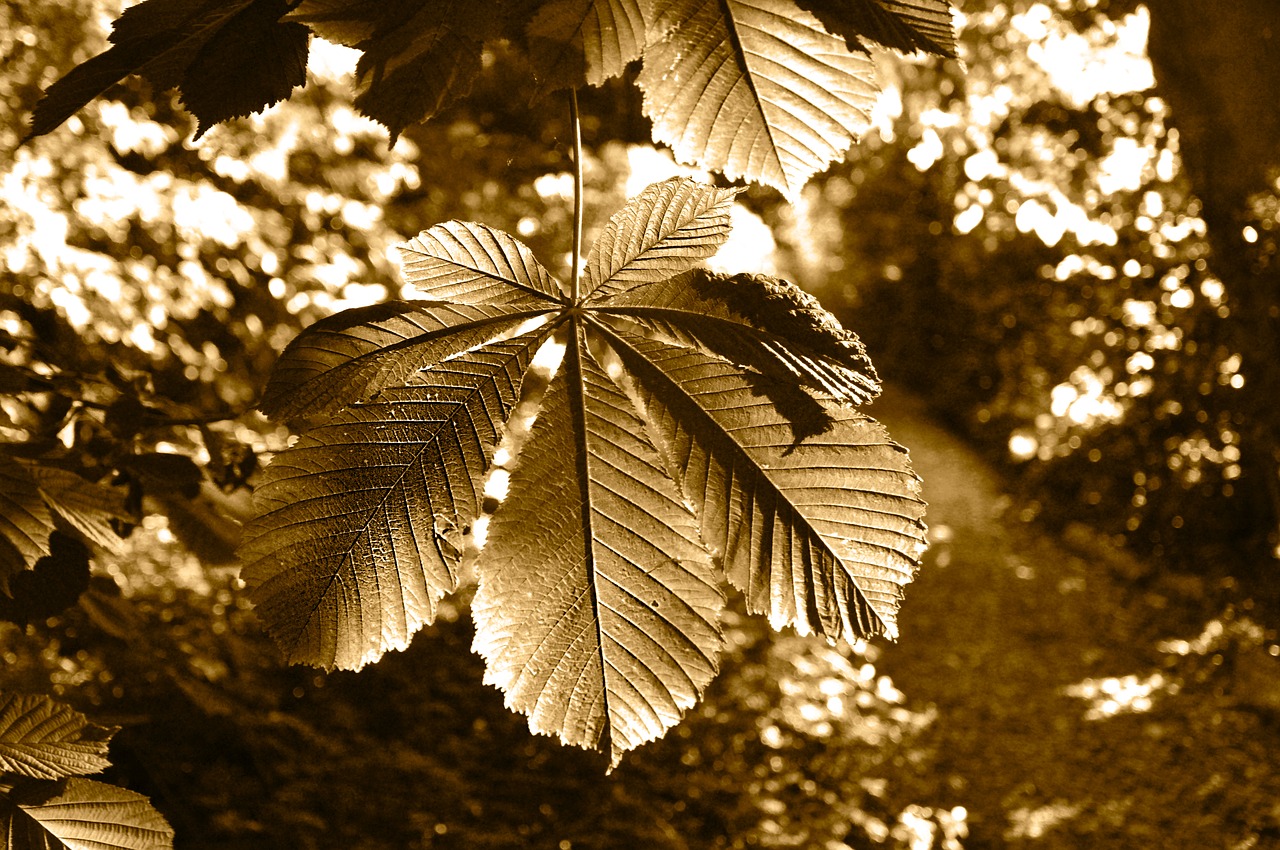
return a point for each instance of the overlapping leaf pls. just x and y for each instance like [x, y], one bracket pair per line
[25, 521]
[698, 427]
[78, 814]
[767, 90]
[44, 739]
[756, 89]
[577, 41]
[228, 59]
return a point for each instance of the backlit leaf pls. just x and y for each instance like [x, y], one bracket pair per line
[350, 357]
[756, 89]
[572, 42]
[44, 739]
[820, 534]
[698, 429]
[467, 263]
[597, 606]
[769, 325]
[80, 814]
[663, 231]
[360, 525]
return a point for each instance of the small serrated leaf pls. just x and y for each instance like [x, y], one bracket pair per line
[467, 263]
[756, 89]
[44, 739]
[663, 231]
[80, 814]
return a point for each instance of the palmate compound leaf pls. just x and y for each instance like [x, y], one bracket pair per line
[44, 739]
[80, 814]
[677, 443]
[756, 89]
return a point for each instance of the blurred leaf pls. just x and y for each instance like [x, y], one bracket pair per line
[758, 90]
[87, 506]
[25, 521]
[79, 814]
[44, 739]
[166, 472]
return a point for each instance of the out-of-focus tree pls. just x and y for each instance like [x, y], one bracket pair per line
[1057, 289]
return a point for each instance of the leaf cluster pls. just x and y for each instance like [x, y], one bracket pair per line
[771, 91]
[46, 748]
[697, 428]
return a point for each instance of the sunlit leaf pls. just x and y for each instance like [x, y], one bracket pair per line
[467, 263]
[821, 534]
[44, 739]
[80, 814]
[756, 89]
[597, 606]
[573, 42]
[360, 525]
[350, 357]
[698, 428]
[663, 231]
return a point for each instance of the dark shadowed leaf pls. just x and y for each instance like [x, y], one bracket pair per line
[44, 739]
[411, 71]
[756, 89]
[597, 605]
[80, 814]
[227, 58]
[906, 25]
[573, 42]
[253, 62]
[52, 585]
[25, 520]
[768, 325]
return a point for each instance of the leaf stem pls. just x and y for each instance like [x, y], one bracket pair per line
[574, 119]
